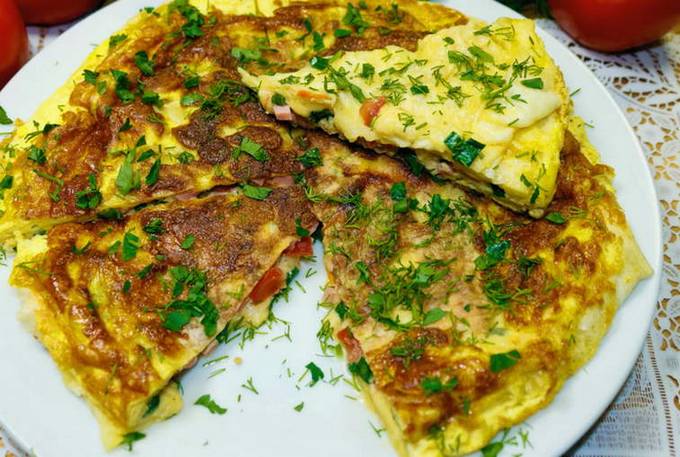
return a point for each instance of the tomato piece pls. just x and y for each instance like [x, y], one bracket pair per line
[270, 283]
[370, 109]
[615, 25]
[350, 344]
[300, 248]
[14, 41]
[50, 12]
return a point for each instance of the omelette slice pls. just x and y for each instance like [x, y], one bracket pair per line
[123, 306]
[158, 111]
[481, 104]
[460, 318]
[154, 112]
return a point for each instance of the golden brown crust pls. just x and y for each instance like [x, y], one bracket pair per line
[109, 313]
[497, 281]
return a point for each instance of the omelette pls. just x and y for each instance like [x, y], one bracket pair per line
[482, 104]
[154, 112]
[459, 317]
[158, 110]
[123, 306]
[156, 197]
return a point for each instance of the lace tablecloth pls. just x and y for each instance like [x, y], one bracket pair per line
[644, 420]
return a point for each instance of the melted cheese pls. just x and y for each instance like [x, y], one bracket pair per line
[437, 90]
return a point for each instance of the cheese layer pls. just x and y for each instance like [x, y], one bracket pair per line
[483, 104]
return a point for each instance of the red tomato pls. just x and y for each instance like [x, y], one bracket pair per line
[50, 12]
[300, 248]
[14, 41]
[615, 25]
[351, 345]
[270, 283]
[370, 109]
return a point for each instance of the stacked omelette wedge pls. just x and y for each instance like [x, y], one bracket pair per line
[475, 250]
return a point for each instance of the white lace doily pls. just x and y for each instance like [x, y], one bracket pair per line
[644, 420]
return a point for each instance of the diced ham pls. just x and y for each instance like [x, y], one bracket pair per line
[283, 113]
[281, 181]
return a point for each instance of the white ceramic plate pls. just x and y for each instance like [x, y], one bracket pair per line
[45, 417]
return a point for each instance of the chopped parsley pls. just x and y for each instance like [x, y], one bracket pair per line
[319, 63]
[188, 242]
[434, 385]
[150, 97]
[556, 218]
[494, 252]
[80, 250]
[143, 63]
[362, 370]
[353, 18]
[128, 179]
[154, 227]
[210, 404]
[131, 244]
[433, 315]
[152, 176]
[504, 360]
[254, 192]
[311, 158]
[463, 151]
[278, 99]
[90, 197]
[191, 99]
[115, 40]
[194, 19]
[4, 118]
[533, 83]
[130, 438]
[152, 405]
[253, 149]
[315, 371]
[318, 116]
[299, 229]
[192, 82]
[318, 43]
[299, 406]
[246, 55]
[367, 71]
[90, 76]
[6, 182]
[122, 86]
[127, 125]
[339, 78]
[195, 304]
[37, 154]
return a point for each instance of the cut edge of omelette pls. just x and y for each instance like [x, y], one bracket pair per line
[38, 317]
[500, 410]
[507, 147]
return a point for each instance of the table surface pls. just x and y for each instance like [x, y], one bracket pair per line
[644, 419]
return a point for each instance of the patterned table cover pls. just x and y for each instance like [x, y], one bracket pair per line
[644, 419]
